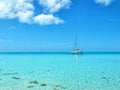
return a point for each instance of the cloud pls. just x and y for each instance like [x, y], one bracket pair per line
[24, 11]
[44, 19]
[103, 2]
[54, 5]
[21, 9]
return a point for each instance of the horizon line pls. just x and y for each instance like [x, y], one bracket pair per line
[58, 52]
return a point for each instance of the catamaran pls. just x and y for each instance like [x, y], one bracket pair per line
[76, 50]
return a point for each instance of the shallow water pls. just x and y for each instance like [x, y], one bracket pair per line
[59, 71]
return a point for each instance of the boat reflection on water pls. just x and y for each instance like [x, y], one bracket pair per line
[77, 57]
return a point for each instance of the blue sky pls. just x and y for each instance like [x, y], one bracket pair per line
[51, 25]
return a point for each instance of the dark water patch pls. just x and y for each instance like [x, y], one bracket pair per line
[62, 87]
[34, 82]
[55, 89]
[30, 86]
[86, 82]
[43, 84]
[119, 76]
[17, 78]
[0, 79]
[48, 70]
[58, 87]
[10, 73]
[31, 72]
[103, 77]
[106, 79]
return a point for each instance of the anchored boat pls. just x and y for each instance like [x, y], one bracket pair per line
[76, 50]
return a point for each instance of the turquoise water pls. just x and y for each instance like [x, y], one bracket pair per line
[59, 71]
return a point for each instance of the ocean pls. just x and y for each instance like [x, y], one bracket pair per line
[59, 71]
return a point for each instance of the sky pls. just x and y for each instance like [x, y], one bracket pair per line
[52, 25]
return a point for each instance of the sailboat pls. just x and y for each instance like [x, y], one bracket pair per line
[76, 50]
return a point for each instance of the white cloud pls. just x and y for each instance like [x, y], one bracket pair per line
[103, 2]
[43, 19]
[21, 9]
[24, 11]
[54, 5]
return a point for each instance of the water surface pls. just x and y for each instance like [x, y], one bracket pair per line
[59, 71]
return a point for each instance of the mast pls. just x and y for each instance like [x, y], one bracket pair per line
[76, 42]
[76, 49]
